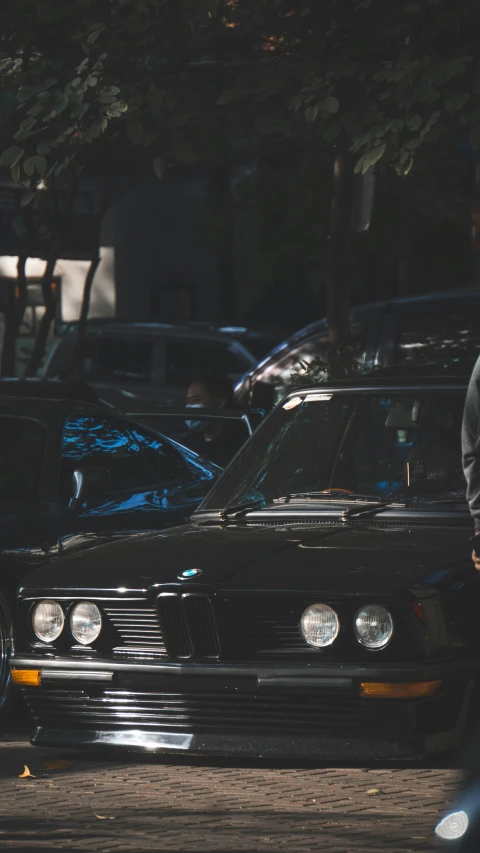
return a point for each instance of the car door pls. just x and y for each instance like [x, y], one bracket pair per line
[154, 482]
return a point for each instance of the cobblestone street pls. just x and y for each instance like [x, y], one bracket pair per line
[135, 803]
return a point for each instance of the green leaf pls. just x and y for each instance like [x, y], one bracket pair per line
[116, 109]
[414, 122]
[92, 80]
[456, 102]
[76, 82]
[82, 65]
[29, 166]
[15, 174]
[11, 156]
[43, 148]
[331, 104]
[24, 94]
[377, 153]
[159, 166]
[34, 111]
[40, 165]
[311, 113]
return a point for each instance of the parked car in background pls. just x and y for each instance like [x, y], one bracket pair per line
[72, 473]
[321, 601]
[153, 363]
[434, 328]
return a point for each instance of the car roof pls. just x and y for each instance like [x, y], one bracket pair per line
[48, 389]
[426, 376]
[198, 330]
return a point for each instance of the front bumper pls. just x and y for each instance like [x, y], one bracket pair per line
[281, 711]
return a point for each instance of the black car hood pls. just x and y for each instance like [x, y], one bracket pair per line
[333, 559]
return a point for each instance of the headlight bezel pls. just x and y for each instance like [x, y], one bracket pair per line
[76, 635]
[379, 646]
[36, 632]
[325, 608]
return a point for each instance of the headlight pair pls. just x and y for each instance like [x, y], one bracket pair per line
[373, 626]
[48, 621]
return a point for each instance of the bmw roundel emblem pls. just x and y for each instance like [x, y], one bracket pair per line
[189, 573]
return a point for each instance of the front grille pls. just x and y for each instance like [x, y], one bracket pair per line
[189, 625]
[136, 630]
[261, 626]
[197, 713]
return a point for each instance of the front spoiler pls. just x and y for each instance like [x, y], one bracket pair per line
[240, 746]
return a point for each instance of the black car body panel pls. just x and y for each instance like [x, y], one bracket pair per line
[203, 646]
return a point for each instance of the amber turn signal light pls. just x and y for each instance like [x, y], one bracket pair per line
[27, 677]
[399, 690]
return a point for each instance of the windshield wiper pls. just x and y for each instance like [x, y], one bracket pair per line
[328, 496]
[240, 509]
[356, 511]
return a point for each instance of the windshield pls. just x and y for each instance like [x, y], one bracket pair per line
[392, 447]
[22, 446]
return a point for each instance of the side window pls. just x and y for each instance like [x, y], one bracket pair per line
[93, 440]
[186, 357]
[433, 334]
[303, 363]
[171, 469]
[112, 359]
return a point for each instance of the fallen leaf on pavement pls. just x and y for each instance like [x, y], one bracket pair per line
[374, 791]
[104, 816]
[26, 773]
[57, 765]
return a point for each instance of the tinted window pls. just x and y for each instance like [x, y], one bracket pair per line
[293, 367]
[168, 462]
[22, 450]
[401, 448]
[117, 360]
[439, 335]
[186, 358]
[108, 444]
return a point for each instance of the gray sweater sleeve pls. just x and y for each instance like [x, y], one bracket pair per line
[471, 445]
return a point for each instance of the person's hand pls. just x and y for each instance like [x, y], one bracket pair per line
[476, 560]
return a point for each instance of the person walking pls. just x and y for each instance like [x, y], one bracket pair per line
[471, 456]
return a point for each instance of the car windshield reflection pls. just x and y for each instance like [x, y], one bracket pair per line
[395, 447]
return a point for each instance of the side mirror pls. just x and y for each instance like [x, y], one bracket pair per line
[89, 483]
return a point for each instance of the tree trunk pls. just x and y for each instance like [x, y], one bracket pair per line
[50, 296]
[75, 357]
[339, 251]
[50, 299]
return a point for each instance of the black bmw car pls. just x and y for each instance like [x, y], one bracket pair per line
[321, 601]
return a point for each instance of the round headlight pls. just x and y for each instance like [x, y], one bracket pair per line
[47, 620]
[319, 625]
[85, 622]
[373, 626]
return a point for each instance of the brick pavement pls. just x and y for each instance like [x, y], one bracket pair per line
[132, 803]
